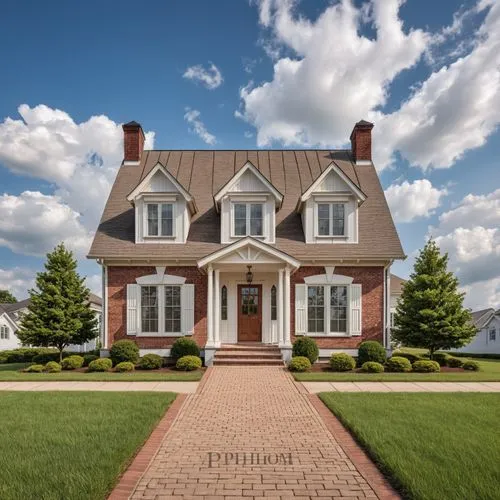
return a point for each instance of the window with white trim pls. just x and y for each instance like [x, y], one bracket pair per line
[161, 309]
[331, 219]
[493, 334]
[4, 332]
[316, 309]
[160, 219]
[328, 301]
[338, 309]
[172, 309]
[149, 309]
[248, 219]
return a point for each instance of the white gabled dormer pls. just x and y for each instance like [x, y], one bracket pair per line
[163, 208]
[247, 204]
[329, 208]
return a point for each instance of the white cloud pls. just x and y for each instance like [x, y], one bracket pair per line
[411, 200]
[94, 283]
[18, 281]
[192, 116]
[211, 77]
[337, 76]
[482, 294]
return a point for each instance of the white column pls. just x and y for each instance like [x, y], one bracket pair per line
[280, 306]
[286, 332]
[217, 308]
[210, 306]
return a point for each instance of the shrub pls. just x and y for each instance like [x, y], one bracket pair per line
[454, 362]
[184, 346]
[441, 358]
[188, 363]
[45, 357]
[100, 365]
[371, 350]
[425, 366]
[124, 350]
[23, 354]
[372, 367]
[408, 355]
[342, 362]
[150, 362]
[397, 364]
[124, 366]
[471, 365]
[88, 358]
[52, 367]
[299, 364]
[72, 362]
[34, 369]
[306, 347]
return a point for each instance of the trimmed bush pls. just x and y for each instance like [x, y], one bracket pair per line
[184, 346]
[23, 354]
[124, 350]
[441, 358]
[52, 367]
[188, 363]
[150, 362]
[34, 369]
[342, 362]
[88, 358]
[372, 367]
[72, 362]
[426, 366]
[397, 364]
[100, 365]
[45, 357]
[408, 355]
[124, 366]
[471, 365]
[454, 362]
[371, 350]
[306, 347]
[299, 364]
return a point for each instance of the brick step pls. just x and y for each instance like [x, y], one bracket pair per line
[248, 354]
[247, 362]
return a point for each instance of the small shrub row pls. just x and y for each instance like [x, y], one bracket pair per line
[24, 354]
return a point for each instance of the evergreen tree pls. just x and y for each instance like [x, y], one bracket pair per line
[59, 313]
[6, 297]
[430, 312]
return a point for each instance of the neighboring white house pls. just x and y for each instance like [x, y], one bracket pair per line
[396, 290]
[10, 318]
[487, 339]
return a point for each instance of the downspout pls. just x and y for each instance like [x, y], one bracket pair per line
[387, 306]
[104, 319]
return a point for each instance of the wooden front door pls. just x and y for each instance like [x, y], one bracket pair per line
[249, 313]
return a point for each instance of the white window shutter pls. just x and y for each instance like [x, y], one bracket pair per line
[187, 306]
[133, 304]
[355, 307]
[300, 309]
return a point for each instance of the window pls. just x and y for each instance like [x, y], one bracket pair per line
[331, 219]
[223, 303]
[316, 309]
[493, 334]
[274, 306]
[172, 309]
[4, 332]
[338, 309]
[327, 309]
[160, 219]
[248, 219]
[149, 308]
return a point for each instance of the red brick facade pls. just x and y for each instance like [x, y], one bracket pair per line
[133, 142]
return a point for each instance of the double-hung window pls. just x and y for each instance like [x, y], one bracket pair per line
[161, 309]
[248, 219]
[160, 219]
[327, 308]
[331, 219]
[149, 309]
[4, 332]
[493, 334]
[172, 309]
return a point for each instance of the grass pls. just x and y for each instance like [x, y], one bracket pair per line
[72, 445]
[10, 373]
[430, 446]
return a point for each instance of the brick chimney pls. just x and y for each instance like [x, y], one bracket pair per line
[361, 141]
[133, 142]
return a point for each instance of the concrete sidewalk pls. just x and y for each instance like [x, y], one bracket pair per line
[179, 387]
[315, 387]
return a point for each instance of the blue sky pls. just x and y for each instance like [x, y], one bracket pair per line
[263, 74]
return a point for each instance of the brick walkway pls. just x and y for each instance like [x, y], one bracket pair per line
[265, 439]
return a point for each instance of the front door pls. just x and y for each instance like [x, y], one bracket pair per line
[249, 313]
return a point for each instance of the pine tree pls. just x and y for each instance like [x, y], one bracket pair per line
[6, 297]
[430, 312]
[59, 313]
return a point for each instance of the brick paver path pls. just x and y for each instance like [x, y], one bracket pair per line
[249, 414]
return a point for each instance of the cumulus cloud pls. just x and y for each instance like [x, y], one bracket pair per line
[411, 200]
[211, 77]
[197, 127]
[18, 281]
[333, 75]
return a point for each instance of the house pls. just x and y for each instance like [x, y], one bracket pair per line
[487, 339]
[397, 284]
[10, 318]
[231, 247]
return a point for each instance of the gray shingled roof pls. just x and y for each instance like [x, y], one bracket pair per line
[481, 318]
[204, 172]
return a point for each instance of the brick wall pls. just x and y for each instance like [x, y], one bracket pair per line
[119, 277]
[371, 280]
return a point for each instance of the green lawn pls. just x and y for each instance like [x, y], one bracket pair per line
[430, 446]
[10, 373]
[72, 445]
[490, 372]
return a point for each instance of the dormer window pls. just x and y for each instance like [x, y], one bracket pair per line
[160, 219]
[331, 219]
[248, 219]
